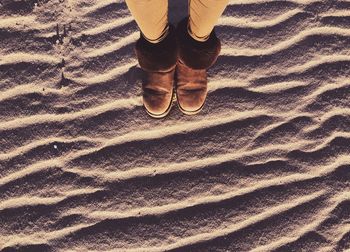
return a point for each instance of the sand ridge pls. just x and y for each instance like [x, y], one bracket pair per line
[264, 167]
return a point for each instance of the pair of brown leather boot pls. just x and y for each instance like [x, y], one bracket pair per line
[177, 65]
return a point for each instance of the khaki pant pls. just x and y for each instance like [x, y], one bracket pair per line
[152, 17]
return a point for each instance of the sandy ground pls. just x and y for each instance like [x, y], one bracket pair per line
[264, 167]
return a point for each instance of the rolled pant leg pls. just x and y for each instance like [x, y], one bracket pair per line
[203, 15]
[152, 18]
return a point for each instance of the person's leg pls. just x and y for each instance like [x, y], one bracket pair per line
[151, 17]
[156, 51]
[199, 48]
[203, 15]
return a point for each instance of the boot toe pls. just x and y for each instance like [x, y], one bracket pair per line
[191, 101]
[157, 105]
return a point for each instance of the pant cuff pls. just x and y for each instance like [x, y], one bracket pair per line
[160, 38]
[194, 36]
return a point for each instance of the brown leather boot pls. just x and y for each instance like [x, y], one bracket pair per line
[158, 60]
[158, 92]
[195, 58]
[191, 88]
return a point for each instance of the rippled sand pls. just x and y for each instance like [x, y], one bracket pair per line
[264, 167]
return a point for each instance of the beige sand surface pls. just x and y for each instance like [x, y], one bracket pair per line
[264, 167]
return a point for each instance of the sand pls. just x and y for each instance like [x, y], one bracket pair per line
[264, 167]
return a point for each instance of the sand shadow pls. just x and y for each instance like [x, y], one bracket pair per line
[177, 10]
